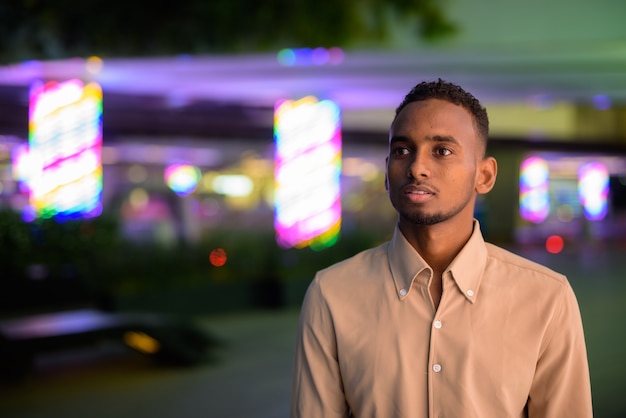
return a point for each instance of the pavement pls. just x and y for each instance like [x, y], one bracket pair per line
[248, 377]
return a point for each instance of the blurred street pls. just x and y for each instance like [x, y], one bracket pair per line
[249, 376]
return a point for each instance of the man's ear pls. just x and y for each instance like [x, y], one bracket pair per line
[386, 179]
[486, 175]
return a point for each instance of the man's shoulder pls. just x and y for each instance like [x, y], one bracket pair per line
[519, 266]
[366, 262]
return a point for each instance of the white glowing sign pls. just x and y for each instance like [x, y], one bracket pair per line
[593, 190]
[64, 172]
[534, 202]
[307, 173]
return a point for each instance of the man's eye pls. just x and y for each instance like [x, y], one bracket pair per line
[400, 151]
[443, 152]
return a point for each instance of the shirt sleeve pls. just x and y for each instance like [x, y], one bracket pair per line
[561, 386]
[317, 389]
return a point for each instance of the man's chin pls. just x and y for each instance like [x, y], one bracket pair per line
[421, 219]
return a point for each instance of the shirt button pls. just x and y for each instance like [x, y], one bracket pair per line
[437, 324]
[436, 368]
[403, 292]
[470, 293]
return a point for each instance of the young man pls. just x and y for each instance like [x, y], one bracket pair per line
[436, 322]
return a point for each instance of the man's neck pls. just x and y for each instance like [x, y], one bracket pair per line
[437, 244]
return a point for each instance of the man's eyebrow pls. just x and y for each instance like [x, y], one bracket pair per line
[444, 138]
[436, 138]
[398, 138]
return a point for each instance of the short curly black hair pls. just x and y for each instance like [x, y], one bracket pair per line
[452, 93]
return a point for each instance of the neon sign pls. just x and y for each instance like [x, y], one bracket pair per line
[65, 140]
[593, 190]
[307, 173]
[534, 202]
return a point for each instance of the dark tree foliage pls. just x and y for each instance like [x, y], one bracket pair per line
[44, 29]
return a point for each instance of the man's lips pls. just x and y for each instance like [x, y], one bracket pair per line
[418, 193]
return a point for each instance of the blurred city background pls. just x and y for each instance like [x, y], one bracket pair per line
[173, 174]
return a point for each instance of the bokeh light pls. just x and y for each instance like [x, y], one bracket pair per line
[554, 244]
[303, 57]
[320, 56]
[287, 57]
[137, 173]
[138, 198]
[235, 185]
[94, 65]
[218, 257]
[182, 178]
[142, 342]
[565, 213]
[601, 102]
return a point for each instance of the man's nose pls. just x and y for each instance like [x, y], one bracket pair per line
[420, 165]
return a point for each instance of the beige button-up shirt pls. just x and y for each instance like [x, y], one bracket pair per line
[506, 341]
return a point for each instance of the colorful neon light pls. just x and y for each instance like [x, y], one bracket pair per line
[534, 202]
[21, 167]
[182, 178]
[234, 185]
[307, 173]
[64, 172]
[593, 190]
[303, 57]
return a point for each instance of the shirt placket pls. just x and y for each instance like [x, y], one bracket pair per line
[435, 353]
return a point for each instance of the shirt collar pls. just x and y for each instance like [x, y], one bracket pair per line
[466, 269]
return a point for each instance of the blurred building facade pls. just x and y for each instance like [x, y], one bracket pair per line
[551, 76]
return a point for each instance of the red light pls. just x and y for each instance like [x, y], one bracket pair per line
[218, 257]
[554, 244]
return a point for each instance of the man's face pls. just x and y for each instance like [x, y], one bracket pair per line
[434, 163]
